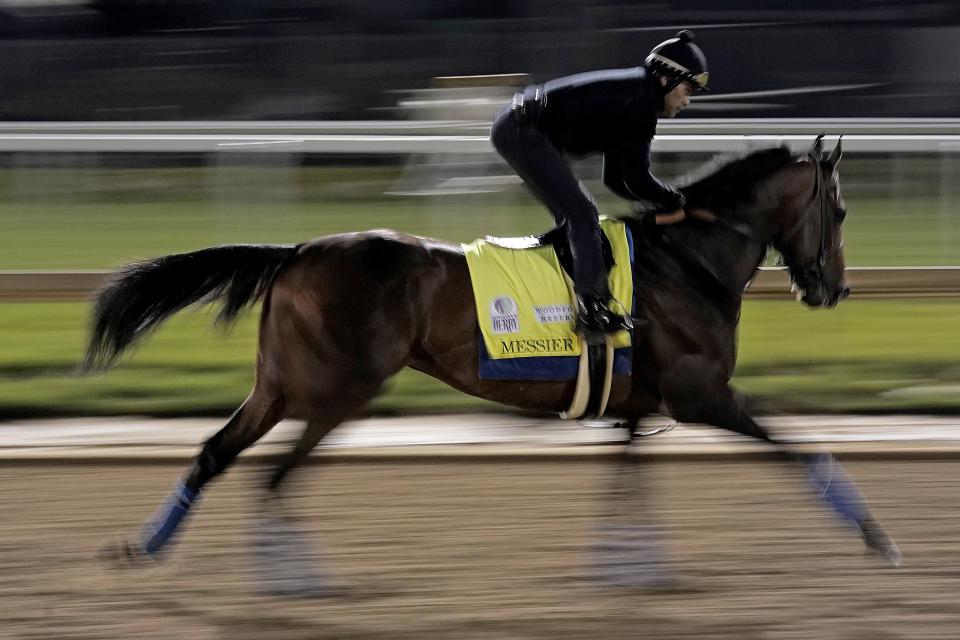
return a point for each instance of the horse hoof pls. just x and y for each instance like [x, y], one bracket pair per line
[119, 553]
[889, 552]
[636, 576]
[286, 563]
[879, 542]
[893, 555]
[631, 557]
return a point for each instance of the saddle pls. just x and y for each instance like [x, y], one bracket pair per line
[559, 240]
[596, 361]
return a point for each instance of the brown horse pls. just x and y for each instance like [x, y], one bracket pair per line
[343, 313]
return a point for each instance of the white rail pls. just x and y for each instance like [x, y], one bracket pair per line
[689, 126]
[450, 136]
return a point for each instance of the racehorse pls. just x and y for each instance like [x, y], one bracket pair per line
[343, 313]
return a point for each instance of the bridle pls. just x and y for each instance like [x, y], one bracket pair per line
[809, 274]
[818, 202]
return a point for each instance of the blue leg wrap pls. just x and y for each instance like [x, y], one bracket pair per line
[830, 479]
[157, 531]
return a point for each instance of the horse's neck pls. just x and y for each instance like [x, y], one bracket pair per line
[735, 255]
[732, 258]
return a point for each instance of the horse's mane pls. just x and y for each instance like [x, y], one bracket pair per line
[719, 181]
[718, 185]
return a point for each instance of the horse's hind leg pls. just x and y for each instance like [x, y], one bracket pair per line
[693, 396]
[286, 559]
[333, 349]
[255, 417]
[629, 550]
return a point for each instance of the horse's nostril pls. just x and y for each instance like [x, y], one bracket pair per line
[844, 292]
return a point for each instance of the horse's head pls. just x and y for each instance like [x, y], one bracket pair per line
[810, 239]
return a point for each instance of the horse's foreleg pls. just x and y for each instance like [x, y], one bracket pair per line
[828, 478]
[696, 399]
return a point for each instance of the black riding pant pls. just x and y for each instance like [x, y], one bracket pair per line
[547, 173]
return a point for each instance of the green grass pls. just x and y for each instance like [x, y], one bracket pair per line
[858, 357]
[101, 219]
[98, 218]
[861, 356]
[901, 232]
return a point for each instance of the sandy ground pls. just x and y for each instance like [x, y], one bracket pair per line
[485, 549]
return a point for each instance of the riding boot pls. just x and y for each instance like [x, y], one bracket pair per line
[596, 320]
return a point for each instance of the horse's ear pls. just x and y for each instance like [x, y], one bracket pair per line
[834, 159]
[817, 149]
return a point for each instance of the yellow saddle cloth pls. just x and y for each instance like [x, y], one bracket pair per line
[525, 302]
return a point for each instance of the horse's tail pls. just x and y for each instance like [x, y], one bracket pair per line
[143, 294]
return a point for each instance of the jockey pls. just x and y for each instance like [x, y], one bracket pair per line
[612, 112]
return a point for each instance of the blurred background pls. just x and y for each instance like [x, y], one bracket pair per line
[135, 128]
[348, 59]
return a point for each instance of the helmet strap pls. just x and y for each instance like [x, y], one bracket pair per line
[672, 83]
[661, 88]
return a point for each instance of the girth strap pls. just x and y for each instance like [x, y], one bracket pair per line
[594, 378]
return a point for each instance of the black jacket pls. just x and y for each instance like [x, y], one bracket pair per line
[613, 112]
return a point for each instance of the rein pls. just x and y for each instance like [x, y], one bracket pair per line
[735, 226]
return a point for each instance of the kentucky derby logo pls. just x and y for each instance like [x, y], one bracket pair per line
[504, 316]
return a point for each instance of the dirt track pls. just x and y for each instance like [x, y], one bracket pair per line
[485, 550]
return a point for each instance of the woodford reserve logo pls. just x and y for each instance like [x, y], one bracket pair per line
[504, 315]
[553, 313]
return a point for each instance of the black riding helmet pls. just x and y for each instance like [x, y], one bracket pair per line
[679, 59]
